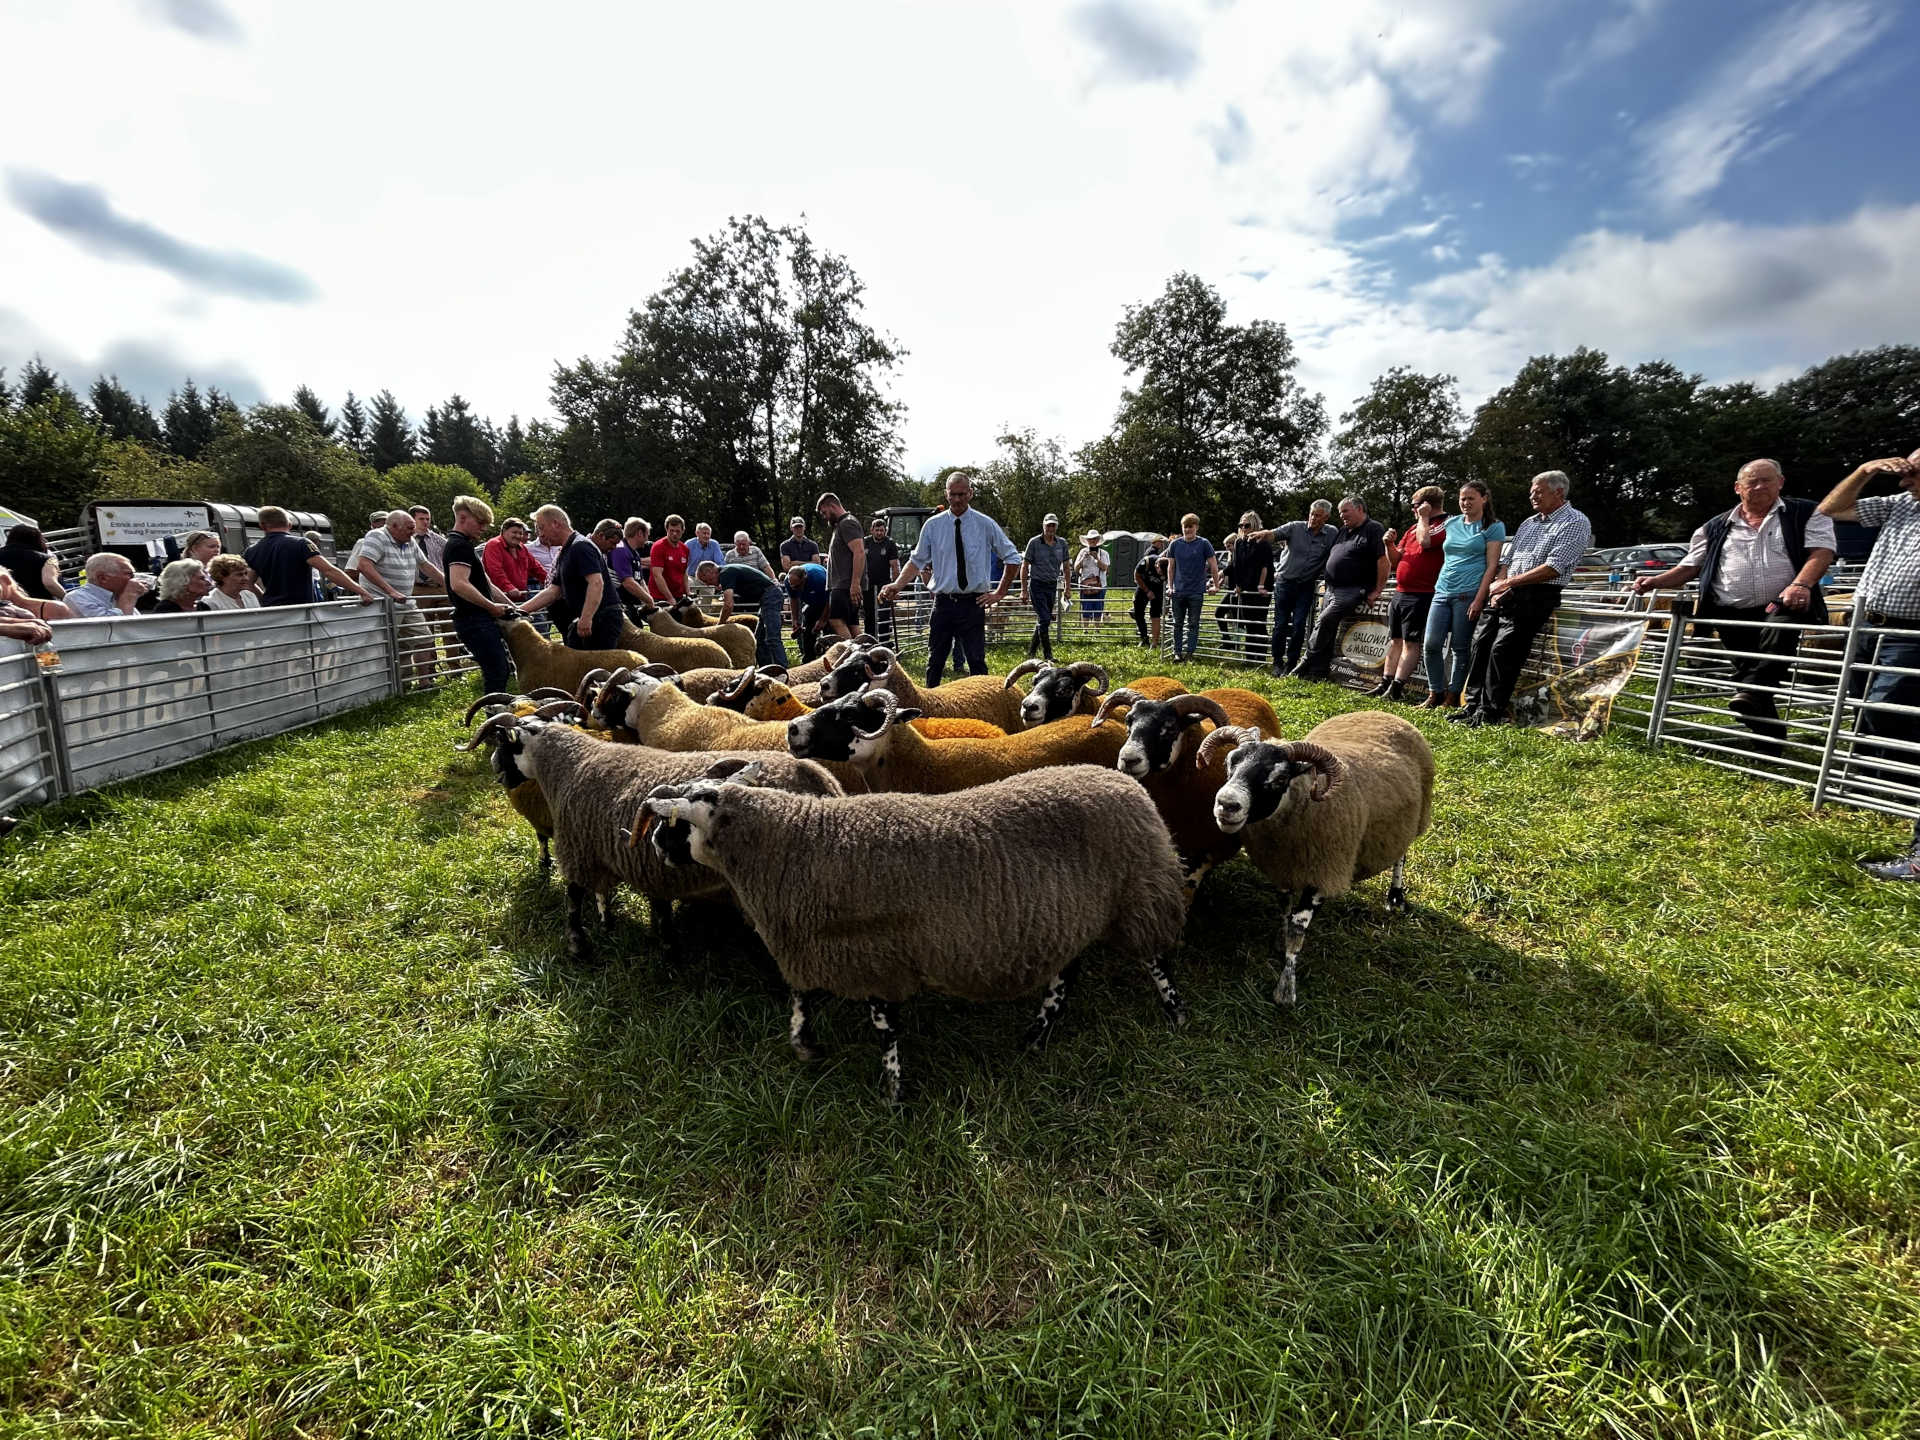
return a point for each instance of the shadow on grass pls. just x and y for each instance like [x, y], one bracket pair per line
[1457, 1178]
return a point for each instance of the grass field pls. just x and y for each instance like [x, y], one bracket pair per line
[307, 1126]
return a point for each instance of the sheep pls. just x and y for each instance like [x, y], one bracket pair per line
[814, 670]
[760, 696]
[733, 637]
[1326, 812]
[688, 611]
[585, 781]
[858, 666]
[869, 732]
[683, 653]
[540, 663]
[976, 697]
[1062, 690]
[526, 798]
[1030, 872]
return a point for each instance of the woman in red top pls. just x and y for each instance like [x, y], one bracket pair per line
[1416, 557]
[667, 563]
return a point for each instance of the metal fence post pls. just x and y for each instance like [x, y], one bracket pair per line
[1842, 684]
[61, 782]
[391, 623]
[1677, 618]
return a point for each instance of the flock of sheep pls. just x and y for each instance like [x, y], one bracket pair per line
[1046, 821]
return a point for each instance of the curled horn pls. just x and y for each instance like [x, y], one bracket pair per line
[1332, 769]
[1085, 671]
[742, 682]
[1122, 696]
[551, 692]
[1225, 737]
[1025, 667]
[880, 656]
[1212, 709]
[486, 732]
[774, 672]
[557, 707]
[658, 670]
[588, 681]
[885, 699]
[492, 697]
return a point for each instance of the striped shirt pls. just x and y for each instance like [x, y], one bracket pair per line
[1559, 540]
[983, 539]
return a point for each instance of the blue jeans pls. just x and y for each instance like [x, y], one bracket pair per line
[1186, 624]
[488, 647]
[1448, 621]
[768, 647]
[1292, 607]
[1901, 649]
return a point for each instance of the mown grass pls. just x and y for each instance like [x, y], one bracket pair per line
[310, 1128]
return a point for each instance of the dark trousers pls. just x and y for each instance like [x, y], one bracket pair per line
[1244, 611]
[1502, 640]
[812, 621]
[1145, 601]
[1292, 608]
[958, 625]
[607, 623]
[1341, 602]
[1900, 650]
[488, 647]
[1756, 706]
[1045, 594]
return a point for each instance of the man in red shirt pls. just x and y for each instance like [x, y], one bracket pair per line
[508, 562]
[667, 563]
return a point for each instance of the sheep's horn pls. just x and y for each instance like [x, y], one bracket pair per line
[1332, 769]
[486, 731]
[881, 656]
[1085, 671]
[551, 692]
[492, 697]
[863, 638]
[588, 681]
[886, 699]
[774, 672]
[556, 707]
[658, 670]
[741, 681]
[1201, 704]
[1122, 696]
[619, 677]
[1225, 737]
[1025, 667]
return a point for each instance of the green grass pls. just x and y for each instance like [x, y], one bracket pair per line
[306, 1126]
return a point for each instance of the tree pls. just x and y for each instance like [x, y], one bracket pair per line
[454, 435]
[120, 415]
[1026, 480]
[189, 422]
[309, 405]
[48, 454]
[1216, 423]
[1848, 409]
[353, 428]
[6, 395]
[1404, 433]
[272, 455]
[38, 383]
[433, 486]
[390, 437]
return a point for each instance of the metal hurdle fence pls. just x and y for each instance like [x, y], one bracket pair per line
[131, 696]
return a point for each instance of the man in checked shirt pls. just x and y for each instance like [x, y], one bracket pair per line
[1524, 594]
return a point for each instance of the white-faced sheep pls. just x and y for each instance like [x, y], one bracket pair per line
[587, 782]
[683, 653]
[1326, 812]
[986, 896]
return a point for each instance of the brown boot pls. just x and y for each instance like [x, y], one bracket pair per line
[1439, 700]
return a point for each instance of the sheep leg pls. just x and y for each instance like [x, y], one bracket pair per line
[800, 1025]
[1287, 991]
[604, 899]
[665, 933]
[1170, 1003]
[577, 945]
[1041, 1030]
[886, 1019]
[1193, 869]
[1397, 887]
[546, 857]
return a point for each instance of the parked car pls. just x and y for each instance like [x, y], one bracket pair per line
[1639, 557]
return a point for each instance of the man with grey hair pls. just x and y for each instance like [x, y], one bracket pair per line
[745, 552]
[1356, 573]
[1297, 584]
[1761, 563]
[391, 564]
[703, 549]
[1524, 594]
[113, 588]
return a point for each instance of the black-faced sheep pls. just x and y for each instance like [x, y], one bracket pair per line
[987, 896]
[1326, 812]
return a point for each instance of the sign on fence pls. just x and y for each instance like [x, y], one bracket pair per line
[1568, 689]
[142, 524]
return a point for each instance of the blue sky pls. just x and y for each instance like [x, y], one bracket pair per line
[365, 195]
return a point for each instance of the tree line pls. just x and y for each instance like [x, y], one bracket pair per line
[752, 379]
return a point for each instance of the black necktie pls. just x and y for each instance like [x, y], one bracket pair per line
[960, 552]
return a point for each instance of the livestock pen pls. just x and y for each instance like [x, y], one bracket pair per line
[310, 1127]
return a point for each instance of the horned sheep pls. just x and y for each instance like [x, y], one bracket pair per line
[1028, 873]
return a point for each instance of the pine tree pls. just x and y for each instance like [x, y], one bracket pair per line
[429, 446]
[308, 404]
[6, 395]
[119, 415]
[390, 437]
[37, 382]
[353, 427]
[453, 435]
[189, 422]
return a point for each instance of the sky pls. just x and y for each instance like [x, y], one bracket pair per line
[433, 199]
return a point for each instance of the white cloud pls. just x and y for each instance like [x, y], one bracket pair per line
[1688, 152]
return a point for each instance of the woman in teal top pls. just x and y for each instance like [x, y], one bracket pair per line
[1472, 548]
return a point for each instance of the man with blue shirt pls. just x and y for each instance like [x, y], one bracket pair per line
[807, 594]
[1045, 560]
[703, 549]
[957, 547]
[1524, 594]
[1191, 569]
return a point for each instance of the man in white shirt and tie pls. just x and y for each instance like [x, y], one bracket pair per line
[956, 549]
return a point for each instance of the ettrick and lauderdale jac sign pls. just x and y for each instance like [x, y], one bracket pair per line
[140, 524]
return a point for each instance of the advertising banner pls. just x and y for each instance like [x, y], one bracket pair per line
[143, 524]
[1578, 666]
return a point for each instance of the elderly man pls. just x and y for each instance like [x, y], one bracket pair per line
[957, 548]
[391, 564]
[883, 564]
[846, 563]
[703, 549]
[1356, 573]
[581, 581]
[752, 585]
[1297, 585]
[745, 552]
[477, 606]
[1522, 598]
[1760, 562]
[1890, 591]
[283, 563]
[1043, 562]
[113, 588]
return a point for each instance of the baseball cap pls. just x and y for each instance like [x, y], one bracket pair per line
[796, 520]
[1051, 520]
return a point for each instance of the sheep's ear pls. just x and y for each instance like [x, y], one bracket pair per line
[906, 713]
[727, 768]
[753, 772]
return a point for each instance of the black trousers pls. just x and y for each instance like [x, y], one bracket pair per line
[1502, 640]
[1756, 707]
[1339, 604]
[959, 626]
[1145, 602]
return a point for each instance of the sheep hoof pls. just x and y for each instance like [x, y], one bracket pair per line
[1035, 1040]
[1396, 902]
[1284, 993]
[1177, 1017]
[807, 1054]
[577, 946]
